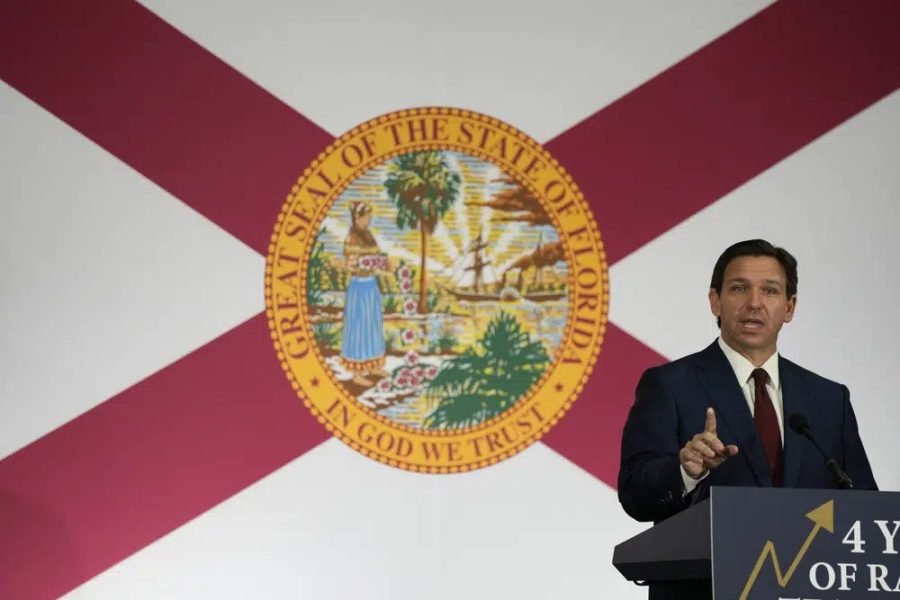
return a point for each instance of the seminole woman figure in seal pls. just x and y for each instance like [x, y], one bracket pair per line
[362, 345]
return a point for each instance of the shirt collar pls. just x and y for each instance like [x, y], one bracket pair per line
[743, 368]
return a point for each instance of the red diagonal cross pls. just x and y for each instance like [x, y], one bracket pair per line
[153, 457]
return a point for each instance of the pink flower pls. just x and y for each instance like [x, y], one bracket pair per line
[410, 306]
[411, 357]
[401, 374]
[403, 381]
[431, 372]
[414, 381]
[384, 385]
[404, 272]
[406, 284]
[365, 262]
[408, 336]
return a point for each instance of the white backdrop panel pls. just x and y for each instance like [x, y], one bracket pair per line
[542, 66]
[104, 277]
[331, 525]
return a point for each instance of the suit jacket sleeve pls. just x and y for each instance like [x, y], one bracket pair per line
[856, 463]
[650, 484]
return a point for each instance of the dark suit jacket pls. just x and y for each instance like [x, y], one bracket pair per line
[670, 408]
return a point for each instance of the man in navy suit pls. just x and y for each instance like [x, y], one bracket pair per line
[719, 417]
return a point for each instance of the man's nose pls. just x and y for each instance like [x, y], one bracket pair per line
[755, 299]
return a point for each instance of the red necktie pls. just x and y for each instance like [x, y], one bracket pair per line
[767, 425]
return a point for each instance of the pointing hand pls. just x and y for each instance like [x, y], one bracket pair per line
[705, 451]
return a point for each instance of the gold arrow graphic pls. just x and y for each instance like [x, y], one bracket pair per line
[823, 517]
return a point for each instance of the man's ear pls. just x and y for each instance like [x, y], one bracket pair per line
[714, 305]
[791, 307]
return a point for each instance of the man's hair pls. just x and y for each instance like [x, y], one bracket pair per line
[755, 248]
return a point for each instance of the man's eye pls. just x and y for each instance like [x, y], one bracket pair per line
[771, 291]
[737, 288]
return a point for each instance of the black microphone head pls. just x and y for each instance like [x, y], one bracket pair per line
[798, 423]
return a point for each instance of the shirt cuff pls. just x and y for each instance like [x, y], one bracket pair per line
[689, 483]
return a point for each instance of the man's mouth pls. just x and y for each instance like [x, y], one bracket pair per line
[752, 323]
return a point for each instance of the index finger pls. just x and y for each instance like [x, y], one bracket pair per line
[710, 426]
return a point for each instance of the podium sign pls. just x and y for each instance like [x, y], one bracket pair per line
[779, 544]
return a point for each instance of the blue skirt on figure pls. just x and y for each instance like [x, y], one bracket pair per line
[362, 346]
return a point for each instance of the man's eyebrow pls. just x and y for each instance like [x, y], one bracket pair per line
[776, 282]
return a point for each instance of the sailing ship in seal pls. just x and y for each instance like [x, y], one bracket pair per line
[475, 278]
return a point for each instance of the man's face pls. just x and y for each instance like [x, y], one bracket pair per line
[753, 304]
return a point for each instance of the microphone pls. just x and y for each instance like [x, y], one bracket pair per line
[798, 423]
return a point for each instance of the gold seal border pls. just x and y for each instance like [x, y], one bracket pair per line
[537, 387]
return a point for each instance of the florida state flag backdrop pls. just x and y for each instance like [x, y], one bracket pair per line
[349, 299]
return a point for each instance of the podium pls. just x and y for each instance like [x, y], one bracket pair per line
[771, 543]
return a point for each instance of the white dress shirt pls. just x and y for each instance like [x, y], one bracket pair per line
[743, 371]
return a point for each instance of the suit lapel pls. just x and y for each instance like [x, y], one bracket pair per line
[795, 398]
[732, 413]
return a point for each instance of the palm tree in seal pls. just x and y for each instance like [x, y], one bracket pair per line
[423, 188]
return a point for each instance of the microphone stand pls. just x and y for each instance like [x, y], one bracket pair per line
[841, 479]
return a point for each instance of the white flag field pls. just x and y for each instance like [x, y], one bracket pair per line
[150, 445]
